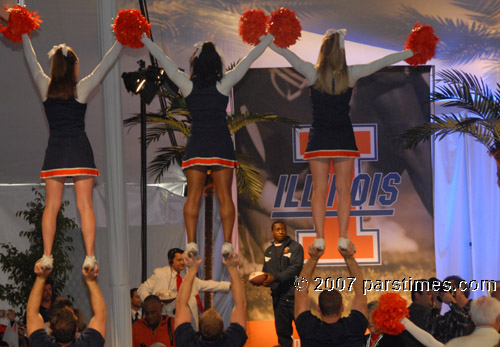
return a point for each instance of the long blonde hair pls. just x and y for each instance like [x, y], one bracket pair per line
[331, 68]
[62, 75]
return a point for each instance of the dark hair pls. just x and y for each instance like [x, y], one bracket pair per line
[330, 302]
[152, 298]
[211, 325]
[207, 68]
[81, 322]
[277, 222]
[171, 254]
[62, 75]
[415, 287]
[59, 303]
[457, 279]
[132, 291]
[63, 325]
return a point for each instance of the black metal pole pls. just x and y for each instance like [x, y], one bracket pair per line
[144, 206]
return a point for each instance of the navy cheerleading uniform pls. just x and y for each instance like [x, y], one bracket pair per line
[331, 133]
[209, 143]
[68, 152]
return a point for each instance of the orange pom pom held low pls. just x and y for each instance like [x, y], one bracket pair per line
[21, 21]
[253, 24]
[391, 309]
[285, 27]
[129, 26]
[422, 41]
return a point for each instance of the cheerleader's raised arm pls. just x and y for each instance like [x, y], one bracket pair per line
[234, 75]
[88, 83]
[85, 85]
[180, 78]
[362, 70]
[229, 78]
[41, 79]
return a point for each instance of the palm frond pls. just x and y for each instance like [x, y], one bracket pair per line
[485, 131]
[165, 157]
[487, 11]
[248, 179]
[461, 89]
[238, 121]
[167, 123]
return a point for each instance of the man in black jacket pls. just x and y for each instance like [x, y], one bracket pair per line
[283, 261]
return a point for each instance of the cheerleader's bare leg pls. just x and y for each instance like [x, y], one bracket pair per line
[223, 179]
[84, 186]
[319, 172]
[196, 178]
[343, 178]
[54, 188]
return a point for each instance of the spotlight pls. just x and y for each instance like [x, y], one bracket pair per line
[147, 82]
[134, 81]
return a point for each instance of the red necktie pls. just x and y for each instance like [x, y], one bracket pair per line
[179, 281]
[198, 299]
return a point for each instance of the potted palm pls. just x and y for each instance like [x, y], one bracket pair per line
[478, 116]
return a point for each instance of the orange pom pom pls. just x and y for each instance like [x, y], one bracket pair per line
[21, 22]
[252, 26]
[391, 309]
[129, 26]
[285, 27]
[422, 41]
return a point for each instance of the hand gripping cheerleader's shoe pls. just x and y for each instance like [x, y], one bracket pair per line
[89, 262]
[227, 248]
[343, 244]
[319, 243]
[47, 262]
[192, 249]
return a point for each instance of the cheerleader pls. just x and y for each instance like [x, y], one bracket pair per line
[209, 145]
[331, 139]
[68, 153]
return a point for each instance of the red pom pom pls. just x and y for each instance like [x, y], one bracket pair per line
[391, 309]
[422, 41]
[21, 21]
[129, 26]
[285, 27]
[252, 26]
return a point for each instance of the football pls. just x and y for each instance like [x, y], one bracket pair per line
[257, 278]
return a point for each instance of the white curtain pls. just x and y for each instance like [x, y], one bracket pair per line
[466, 211]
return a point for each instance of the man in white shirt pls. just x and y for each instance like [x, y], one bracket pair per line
[135, 305]
[165, 282]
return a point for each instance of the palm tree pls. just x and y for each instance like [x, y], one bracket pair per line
[479, 116]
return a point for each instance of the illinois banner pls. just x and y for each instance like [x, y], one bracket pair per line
[391, 220]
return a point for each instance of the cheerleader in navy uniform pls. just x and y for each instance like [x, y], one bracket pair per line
[331, 137]
[68, 153]
[209, 145]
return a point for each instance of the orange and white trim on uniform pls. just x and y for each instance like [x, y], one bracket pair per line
[210, 162]
[78, 171]
[339, 153]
